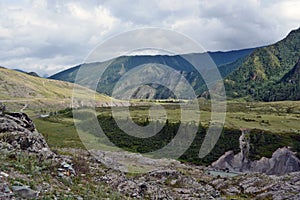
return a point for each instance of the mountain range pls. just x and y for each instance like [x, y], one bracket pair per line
[117, 67]
[268, 73]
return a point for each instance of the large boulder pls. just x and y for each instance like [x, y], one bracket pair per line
[17, 131]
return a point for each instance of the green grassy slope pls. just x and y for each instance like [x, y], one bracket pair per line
[19, 88]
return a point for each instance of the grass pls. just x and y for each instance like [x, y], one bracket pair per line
[276, 117]
[60, 132]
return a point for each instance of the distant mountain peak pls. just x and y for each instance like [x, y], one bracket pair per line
[29, 73]
[33, 74]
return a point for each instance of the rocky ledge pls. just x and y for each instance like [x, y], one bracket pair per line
[17, 131]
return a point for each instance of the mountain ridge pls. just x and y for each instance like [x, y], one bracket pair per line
[260, 75]
[120, 65]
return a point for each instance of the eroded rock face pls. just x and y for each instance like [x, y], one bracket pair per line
[283, 161]
[17, 131]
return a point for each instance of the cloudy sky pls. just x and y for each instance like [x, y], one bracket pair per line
[49, 36]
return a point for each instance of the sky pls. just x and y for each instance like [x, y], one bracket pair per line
[48, 36]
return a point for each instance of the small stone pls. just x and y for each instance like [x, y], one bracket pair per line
[65, 165]
[215, 194]
[6, 189]
[233, 190]
[4, 174]
[24, 191]
[134, 195]
[60, 169]
[79, 198]
[61, 174]
[173, 182]
[182, 190]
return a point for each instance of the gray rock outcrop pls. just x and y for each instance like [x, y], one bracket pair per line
[17, 131]
[283, 160]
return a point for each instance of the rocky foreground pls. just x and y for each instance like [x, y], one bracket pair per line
[30, 170]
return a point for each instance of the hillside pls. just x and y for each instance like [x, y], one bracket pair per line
[37, 92]
[264, 74]
[119, 66]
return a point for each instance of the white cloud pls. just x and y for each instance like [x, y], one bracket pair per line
[41, 31]
[41, 66]
[289, 10]
[48, 35]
